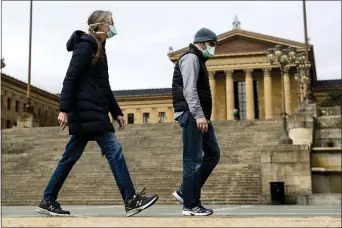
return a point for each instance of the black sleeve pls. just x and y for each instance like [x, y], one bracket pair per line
[114, 109]
[80, 61]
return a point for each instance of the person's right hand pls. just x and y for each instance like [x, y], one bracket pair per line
[63, 120]
[202, 124]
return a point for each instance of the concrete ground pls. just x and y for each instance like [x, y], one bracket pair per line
[170, 216]
[167, 211]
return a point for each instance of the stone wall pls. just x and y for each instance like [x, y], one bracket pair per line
[287, 163]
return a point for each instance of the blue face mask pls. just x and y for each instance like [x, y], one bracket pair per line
[112, 31]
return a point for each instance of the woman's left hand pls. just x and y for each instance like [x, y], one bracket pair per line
[122, 122]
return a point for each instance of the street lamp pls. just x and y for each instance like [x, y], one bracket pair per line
[282, 57]
[309, 98]
[28, 105]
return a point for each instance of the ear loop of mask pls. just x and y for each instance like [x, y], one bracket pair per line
[97, 24]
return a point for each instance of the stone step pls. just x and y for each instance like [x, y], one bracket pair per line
[154, 157]
[319, 142]
[93, 195]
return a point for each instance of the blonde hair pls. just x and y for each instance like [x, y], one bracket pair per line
[94, 22]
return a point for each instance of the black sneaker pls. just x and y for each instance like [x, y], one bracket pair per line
[178, 195]
[139, 202]
[52, 208]
[198, 210]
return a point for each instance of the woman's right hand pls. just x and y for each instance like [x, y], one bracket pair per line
[63, 120]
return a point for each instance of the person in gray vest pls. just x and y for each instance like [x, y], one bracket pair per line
[192, 104]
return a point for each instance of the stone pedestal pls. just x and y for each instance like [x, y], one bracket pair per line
[287, 163]
[301, 124]
[27, 120]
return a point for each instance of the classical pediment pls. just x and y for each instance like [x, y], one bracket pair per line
[241, 41]
[241, 44]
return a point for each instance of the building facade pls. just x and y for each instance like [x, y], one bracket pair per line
[13, 97]
[144, 106]
[240, 77]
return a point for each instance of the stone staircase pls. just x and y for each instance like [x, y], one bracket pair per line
[154, 156]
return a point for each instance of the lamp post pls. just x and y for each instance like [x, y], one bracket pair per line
[282, 57]
[309, 98]
[28, 106]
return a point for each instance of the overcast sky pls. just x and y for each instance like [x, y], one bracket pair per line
[137, 56]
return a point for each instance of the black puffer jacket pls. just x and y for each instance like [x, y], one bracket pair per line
[86, 95]
[203, 85]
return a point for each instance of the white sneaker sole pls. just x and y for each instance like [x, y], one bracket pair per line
[46, 212]
[139, 209]
[190, 213]
[180, 199]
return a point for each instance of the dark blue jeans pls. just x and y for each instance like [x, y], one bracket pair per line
[197, 166]
[111, 149]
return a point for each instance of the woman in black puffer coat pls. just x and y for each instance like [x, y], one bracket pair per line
[86, 100]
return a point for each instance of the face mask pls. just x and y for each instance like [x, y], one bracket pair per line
[112, 31]
[209, 52]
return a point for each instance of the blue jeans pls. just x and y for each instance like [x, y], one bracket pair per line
[196, 166]
[111, 149]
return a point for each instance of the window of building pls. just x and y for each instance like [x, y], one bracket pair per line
[8, 124]
[256, 99]
[146, 117]
[24, 107]
[39, 111]
[8, 103]
[130, 118]
[161, 117]
[16, 106]
[242, 100]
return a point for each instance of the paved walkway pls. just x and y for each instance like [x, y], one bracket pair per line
[165, 211]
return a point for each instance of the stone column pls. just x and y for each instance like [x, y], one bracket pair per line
[249, 95]
[213, 93]
[229, 94]
[268, 94]
[287, 89]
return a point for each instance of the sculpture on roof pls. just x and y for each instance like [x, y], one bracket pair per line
[236, 23]
[170, 49]
[3, 63]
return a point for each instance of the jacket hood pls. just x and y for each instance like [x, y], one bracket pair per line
[80, 36]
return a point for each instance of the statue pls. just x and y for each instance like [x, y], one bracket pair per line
[3, 63]
[236, 23]
[170, 49]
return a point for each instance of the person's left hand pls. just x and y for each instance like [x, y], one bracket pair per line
[122, 122]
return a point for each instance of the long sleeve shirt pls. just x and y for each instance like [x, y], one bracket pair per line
[190, 67]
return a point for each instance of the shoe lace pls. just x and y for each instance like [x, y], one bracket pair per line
[141, 193]
[56, 204]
